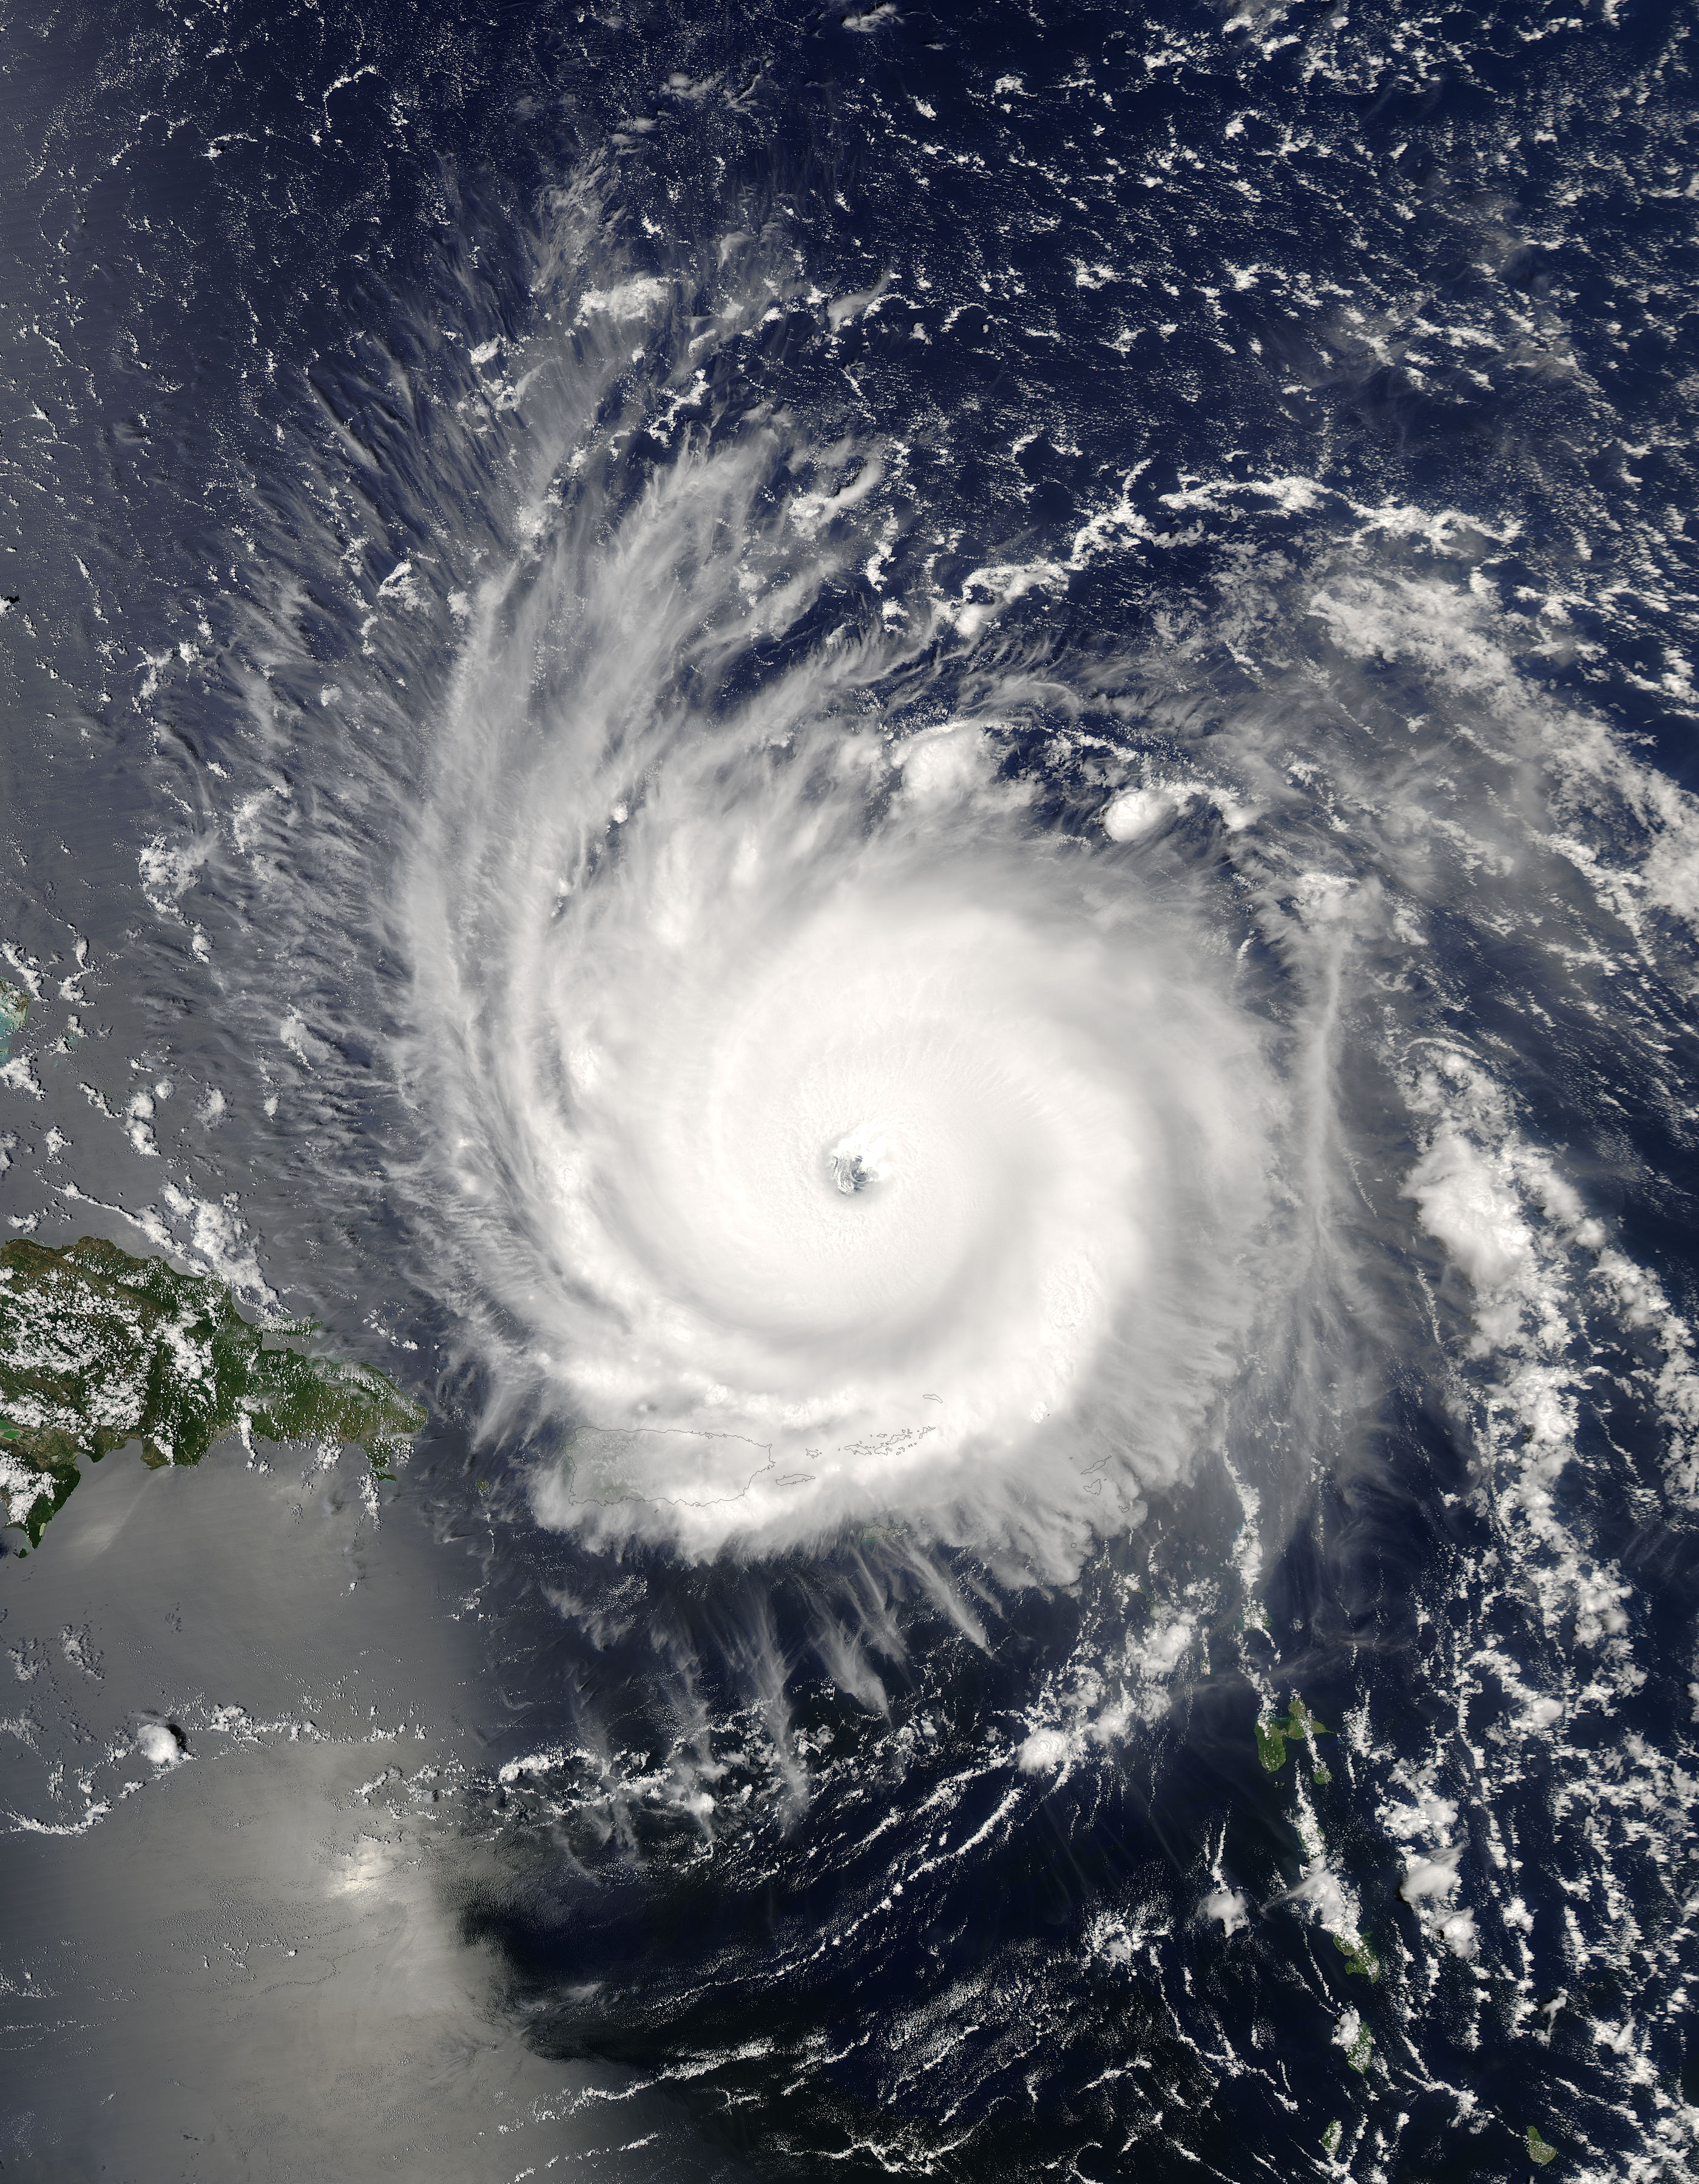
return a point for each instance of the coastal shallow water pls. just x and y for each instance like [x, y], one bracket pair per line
[232, 1951]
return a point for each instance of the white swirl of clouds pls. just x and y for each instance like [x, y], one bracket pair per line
[823, 1143]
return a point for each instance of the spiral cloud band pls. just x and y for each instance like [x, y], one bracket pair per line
[835, 1146]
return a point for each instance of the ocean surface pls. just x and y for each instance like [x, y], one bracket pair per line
[911, 794]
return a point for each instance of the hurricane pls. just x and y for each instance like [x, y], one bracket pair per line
[913, 800]
[826, 1142]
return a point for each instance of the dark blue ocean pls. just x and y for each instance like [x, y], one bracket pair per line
[913, 793]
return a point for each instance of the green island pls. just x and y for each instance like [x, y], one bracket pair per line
[14, 1005]
[97, 1349]
[1273, 1736]
[1360, 1957]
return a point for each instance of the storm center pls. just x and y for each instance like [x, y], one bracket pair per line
[859, 1159]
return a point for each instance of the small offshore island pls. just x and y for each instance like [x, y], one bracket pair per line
[97, 1349]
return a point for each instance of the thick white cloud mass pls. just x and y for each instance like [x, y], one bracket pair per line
[824, 1143]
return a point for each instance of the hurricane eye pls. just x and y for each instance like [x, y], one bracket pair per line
[859, 1161]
